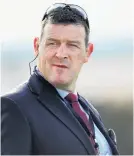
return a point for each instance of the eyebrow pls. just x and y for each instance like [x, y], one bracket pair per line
[70, 41]
[52, 39]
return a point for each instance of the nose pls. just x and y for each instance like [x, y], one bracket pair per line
[61, 52]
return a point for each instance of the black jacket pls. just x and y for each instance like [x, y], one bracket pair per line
[35, 121]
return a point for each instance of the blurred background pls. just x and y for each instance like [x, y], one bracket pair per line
[106, 80]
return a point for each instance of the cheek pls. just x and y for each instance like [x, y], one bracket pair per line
[46, 56]
[78, 63]
[78, 60]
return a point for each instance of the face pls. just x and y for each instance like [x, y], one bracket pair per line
[62, 52]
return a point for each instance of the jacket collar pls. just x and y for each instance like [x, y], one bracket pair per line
[38, 83]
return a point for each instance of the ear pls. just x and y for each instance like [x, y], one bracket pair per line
[36, 46]
[89, 51]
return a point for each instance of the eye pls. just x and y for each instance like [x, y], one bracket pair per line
[73, 45]
[52, 43]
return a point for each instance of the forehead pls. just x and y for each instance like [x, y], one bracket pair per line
[64, 32]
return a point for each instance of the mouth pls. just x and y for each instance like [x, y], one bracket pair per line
[59, 66]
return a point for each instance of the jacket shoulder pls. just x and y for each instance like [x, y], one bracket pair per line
[18, 92]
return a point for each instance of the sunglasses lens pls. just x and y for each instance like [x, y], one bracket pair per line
[54, 6]
[81, 11]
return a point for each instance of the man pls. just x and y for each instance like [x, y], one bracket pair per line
[46, 115]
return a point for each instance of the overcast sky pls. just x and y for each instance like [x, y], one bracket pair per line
[21, 18]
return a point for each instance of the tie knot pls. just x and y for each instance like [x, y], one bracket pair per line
[72, 97]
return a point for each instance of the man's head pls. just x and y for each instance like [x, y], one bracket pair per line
[63, 45]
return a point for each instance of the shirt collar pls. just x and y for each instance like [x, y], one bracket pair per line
[64, 93]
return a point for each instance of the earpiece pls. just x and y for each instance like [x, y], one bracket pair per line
[31, 62]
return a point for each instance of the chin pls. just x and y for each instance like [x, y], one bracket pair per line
[60, 79]
[59, 82]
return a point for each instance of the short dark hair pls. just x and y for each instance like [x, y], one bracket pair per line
[66, 16]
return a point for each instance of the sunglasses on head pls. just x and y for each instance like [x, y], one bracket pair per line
[73, 7]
